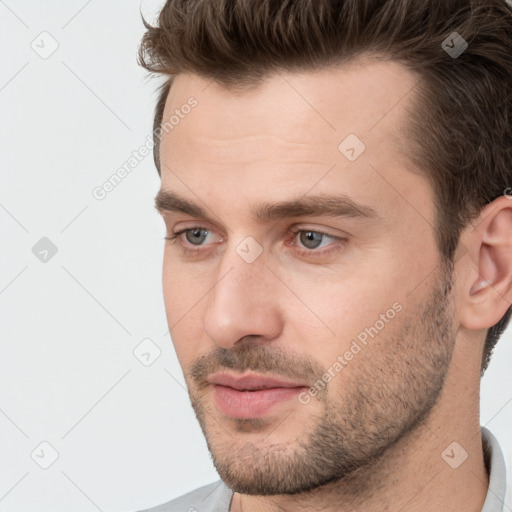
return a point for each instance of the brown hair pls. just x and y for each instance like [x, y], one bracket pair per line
[460, 131]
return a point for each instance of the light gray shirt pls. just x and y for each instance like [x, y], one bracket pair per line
[216, 497]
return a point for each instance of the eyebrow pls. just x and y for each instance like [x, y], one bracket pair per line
[321, 205]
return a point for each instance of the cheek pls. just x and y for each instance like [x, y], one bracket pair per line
[188, 337]
[338, 302]
[173, 290]
[182, 286]
[184, 315]
[335, 317]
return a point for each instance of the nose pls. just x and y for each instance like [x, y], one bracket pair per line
[244, 302]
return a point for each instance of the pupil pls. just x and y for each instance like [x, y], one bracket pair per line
[196, 234]
[311, 236]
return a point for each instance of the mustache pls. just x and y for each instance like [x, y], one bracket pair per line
[258, 358]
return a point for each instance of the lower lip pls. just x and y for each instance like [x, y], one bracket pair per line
[251, 404]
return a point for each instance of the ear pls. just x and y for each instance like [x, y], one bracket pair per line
[485, 291]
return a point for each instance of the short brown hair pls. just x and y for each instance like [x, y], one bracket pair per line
[460, 132]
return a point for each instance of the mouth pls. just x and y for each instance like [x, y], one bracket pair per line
[251, 382]
[252, 395]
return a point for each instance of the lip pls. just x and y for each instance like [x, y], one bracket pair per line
[251, 381]
[251, 396]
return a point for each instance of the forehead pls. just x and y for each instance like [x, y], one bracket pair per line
[361, 96]
[287, 131]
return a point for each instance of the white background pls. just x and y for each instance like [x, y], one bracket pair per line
[125, 433]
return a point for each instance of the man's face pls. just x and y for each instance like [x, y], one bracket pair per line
[350, 309]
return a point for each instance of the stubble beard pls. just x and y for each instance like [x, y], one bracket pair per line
[390, 394]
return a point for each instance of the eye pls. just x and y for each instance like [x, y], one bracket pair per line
[310, 240]
[195, 236]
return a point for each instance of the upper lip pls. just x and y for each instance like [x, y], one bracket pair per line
[250, 381]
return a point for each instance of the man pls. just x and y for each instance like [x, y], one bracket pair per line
[336, 192]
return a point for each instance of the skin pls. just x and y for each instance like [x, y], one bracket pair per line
[373, 439]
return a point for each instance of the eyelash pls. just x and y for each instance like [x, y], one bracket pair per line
[304, 252]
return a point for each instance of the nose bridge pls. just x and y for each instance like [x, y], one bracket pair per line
[244, 268]
[240, 301]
